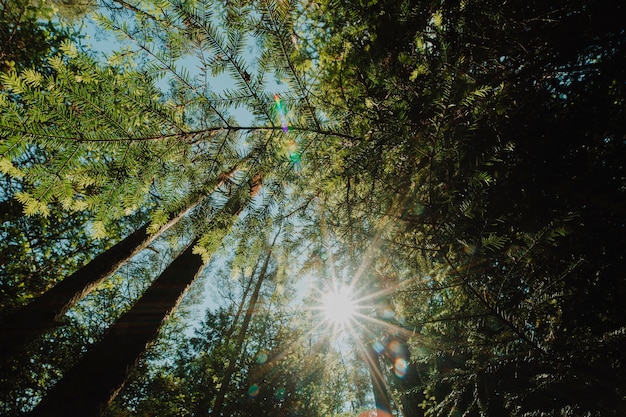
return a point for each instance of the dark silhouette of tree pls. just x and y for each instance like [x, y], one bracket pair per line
[116, 354]
[27, 323]
[216, 409]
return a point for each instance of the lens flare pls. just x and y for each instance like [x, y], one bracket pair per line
[378, 347]
[395, 347]
[400, 367]
[281, 112]
[280, 394]
[253, 391]
[261, 358]
[294, 155]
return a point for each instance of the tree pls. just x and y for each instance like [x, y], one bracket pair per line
[489, 141]
[98, 103]
[28, 34]
[115, 355]
[379, 386]
[25, 324]
[112, 357]
[461, 162]
[29, 322]
[60, 237]
[216, 410]
[281, 369]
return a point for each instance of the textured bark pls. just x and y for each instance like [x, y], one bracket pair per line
[27, 323]
[88, 387]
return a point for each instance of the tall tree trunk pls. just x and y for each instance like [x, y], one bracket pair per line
[244, 296]
[27, 323]
[381, 396]
[232, 362]
[406, 380]
[94, 381]
[88, 387]
[205, 402]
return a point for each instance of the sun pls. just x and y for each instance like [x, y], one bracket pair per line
[338, 306]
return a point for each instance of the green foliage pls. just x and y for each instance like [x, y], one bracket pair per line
[461, 161]
[38, 251]
[28, 34]
[276, 375]
[472, 135]
[97, 128]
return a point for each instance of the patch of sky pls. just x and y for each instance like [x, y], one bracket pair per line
[109, 47]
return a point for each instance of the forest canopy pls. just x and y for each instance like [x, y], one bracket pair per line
[312, 208]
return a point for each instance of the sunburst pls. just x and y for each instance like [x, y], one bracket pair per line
[338, 306]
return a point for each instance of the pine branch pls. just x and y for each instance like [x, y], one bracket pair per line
[276, 31]
[496, 311]
[223, 54]
[172, 71]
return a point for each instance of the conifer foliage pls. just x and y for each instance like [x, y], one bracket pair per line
[458, 163]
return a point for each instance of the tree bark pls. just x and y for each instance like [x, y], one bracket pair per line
[25, 324]
[95, 380]
[89, 387]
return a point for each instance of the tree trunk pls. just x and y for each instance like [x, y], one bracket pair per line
[381, 396]
[25, 324]
[244, 296]
[225, 383]
[205, 401]
[88, 387]
[408, 382]
[94, 381]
